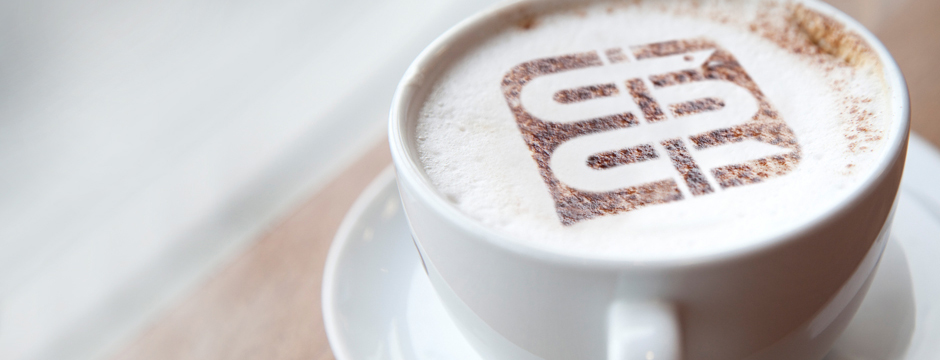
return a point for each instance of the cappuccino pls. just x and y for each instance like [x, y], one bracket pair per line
[655, 129]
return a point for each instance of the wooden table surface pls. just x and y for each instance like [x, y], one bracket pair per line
[265, 304]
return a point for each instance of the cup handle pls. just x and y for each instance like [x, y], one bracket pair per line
[643, 331]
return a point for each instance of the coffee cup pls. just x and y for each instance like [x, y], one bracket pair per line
[779, 279]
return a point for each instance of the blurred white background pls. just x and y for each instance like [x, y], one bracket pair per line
[144, 142]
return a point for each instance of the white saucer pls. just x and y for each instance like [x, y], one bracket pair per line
[378, 303]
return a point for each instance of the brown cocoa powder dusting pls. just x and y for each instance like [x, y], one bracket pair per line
[860, 129]
[521, 74]
[543, 137]
[827, 44]
[804, 31]
[682, 160]
[831, 36]
[573, 205]
[616, 55]
[755, 171]
[651, 110]
[671, 48]
[585, 93]
[676, 78]
[696, 106]
[766, 126]
[632, 155]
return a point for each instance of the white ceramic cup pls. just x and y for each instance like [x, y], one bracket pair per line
[785, 298]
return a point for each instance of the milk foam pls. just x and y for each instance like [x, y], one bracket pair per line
[475, 155]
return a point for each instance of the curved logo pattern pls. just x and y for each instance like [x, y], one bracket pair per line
[706, 126]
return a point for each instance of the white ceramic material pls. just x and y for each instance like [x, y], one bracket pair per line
[785, 298]
[378, 303]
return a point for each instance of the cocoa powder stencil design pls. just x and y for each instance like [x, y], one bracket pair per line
[645, 125]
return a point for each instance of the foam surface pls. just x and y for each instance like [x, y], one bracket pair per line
[833, 98]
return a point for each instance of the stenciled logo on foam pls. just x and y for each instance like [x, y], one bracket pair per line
[706, 126]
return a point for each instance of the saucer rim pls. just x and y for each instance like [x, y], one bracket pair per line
[343, 235]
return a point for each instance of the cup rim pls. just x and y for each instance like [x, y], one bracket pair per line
[409, 170]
